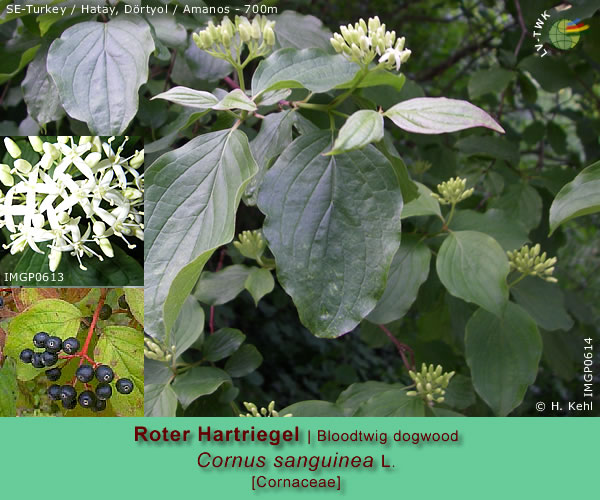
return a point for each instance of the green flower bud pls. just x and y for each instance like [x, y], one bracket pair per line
[63, 139]
[12, 148]
[269, 36]
[5, 177]
[36, 143]
[336, 45]
[23, 166]
[54, 259]
[106, 247]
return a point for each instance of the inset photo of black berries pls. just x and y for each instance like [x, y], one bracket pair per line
[74, 352]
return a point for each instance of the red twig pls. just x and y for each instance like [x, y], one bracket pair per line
[402, 349]
[230, 81]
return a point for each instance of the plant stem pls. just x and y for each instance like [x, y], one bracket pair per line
[517, 280]
[402, 349]
[450, 215]
[84, 350]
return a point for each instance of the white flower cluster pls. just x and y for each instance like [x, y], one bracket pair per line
[79, 192]
[364, 41]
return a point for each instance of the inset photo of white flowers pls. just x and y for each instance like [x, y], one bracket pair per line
[71, 211]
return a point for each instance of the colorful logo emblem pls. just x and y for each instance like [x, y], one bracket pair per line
[564, 34]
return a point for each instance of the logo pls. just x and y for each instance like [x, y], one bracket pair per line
[564, 34]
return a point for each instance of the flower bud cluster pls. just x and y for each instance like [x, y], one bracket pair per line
[430, 383]
[226, 40]
[528, 261]
[76, 193]
[251, 244]
[153, 350]
[364, 41]
[270, 411]
[452, 191]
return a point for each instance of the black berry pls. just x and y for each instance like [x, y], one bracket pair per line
[67, 393]
[53, 374]
[104, 374]
[40, 338]
[1, 302]
[103, 391]
[36, 360]
[85, 373]
[124, 386]
[105, 312]
[123, 302]
[69, 404]
[70, 345]
[49, 358]
[54, 392]
[53, 344]
[87, 399]
[26, 355]
[99, 406]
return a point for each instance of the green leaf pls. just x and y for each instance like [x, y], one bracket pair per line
[503, 354]
[8, 389]
[521, 203]
[312, 409]
[135, 301]
[122, 348]
[189, 97]
[189, 326]
[156, 372]
[510, 233]
[544, 302]
[198, 65]
[223, 286]
[579, 197]
[557, 138]
[14, 61]
[198, 381]
[168, 30]
[301, 32]
[489, 81]
[376, 78]
[191, 200]
[333, 225]
[392, 403]
[362, 128]
[424, 204]
[312, 69]
[409, 271]
[274, 136]
[56, 317]
[222, 343]
[407, 186]
[98, 69]
[259, 283]
[459, 393]
[243, 361]
[474, 267]
[438, 115]
[236, 99]
[160, 401]
[40, 92]
[552, 73]
[490, 147]
[356, 394]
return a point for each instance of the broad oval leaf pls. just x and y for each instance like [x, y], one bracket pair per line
[160, 401]
[122, 348]
[98, 69]
[222, 343]
[473, 267]
[189, 326]
[135, 301]
[312, 69]
[301, 32]
[392, 403]
[424, 204]
[522, 203]
[312, 408]
[236, 99]
[40, 92]
[189, 97]
[438, 115]
[333, 225]
[215, 289]
[198, 381]
[360, 129]
[503, 354]
[243, 361]
[53, 316]
[259, 283]
[409, 271]
[579, 197]
[8, 389]
[191, 201]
